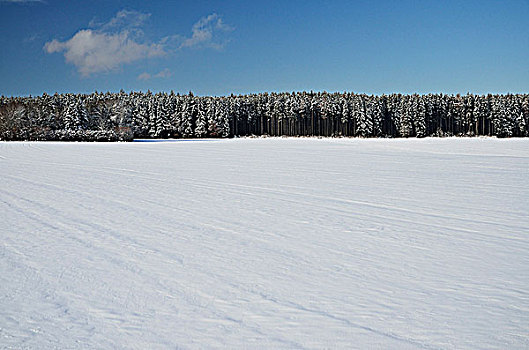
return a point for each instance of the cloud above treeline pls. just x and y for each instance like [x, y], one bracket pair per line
[91, 51]
[109, 45]
[166, 73]
[204, 33]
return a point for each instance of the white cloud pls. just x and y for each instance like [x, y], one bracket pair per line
[207, 32]
[124, 19]
[144, 76]
[31, 38]
[166, 73]
[108, 46]
[93, 51]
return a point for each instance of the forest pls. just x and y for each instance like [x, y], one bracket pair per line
[126, 116]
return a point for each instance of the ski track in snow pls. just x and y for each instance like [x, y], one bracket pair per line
[265, 243]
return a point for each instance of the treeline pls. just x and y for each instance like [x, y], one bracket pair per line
[125, 116]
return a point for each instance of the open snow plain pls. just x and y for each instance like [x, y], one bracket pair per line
[265, 243]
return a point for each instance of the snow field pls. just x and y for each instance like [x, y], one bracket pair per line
[265, 243]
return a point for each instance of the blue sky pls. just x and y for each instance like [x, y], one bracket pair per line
[223, 47]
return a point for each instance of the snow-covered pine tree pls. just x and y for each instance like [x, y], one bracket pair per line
[162, 124]
[419, 116]
[188, 116]
[406, 117]
[209, 106]
[222, 117]
[176, 115]
[379, 112]
[141, 114]
[69, 117]
[201, 119]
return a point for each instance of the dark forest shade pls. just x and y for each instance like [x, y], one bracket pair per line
[122, 116]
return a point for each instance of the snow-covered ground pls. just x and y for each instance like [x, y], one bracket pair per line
[265, 243]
